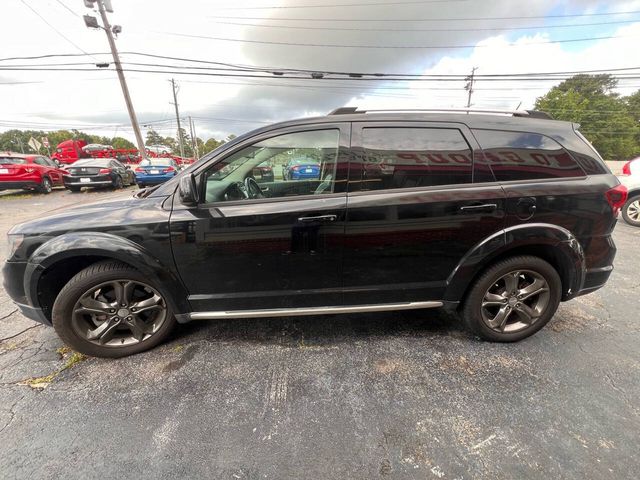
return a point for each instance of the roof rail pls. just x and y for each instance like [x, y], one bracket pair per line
[515, 113]
[345, 111]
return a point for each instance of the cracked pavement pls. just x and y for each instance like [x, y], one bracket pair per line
[392, 395]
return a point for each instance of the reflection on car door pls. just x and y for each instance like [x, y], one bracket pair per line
[265, 253]
[413, 210]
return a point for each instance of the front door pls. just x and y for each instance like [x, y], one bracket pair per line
[261, 241]
[414, 210]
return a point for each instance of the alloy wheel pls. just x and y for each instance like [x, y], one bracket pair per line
[633, 211]
[119, 313]
[515, 301]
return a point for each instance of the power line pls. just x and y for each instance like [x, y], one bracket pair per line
[283, 7]
[441, 19]
[270, 69]
[53, 28]
[404, 30]
[68, 9]
[418, 47]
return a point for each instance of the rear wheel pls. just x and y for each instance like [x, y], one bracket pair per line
[111, 310]
[45, 186]
[631, 211]
[117, 183]
[513, 299]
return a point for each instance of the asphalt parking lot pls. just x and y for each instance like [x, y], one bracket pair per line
[406, 395]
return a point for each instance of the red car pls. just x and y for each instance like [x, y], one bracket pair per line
[29, 172]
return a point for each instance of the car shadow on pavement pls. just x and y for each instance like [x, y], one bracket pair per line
[324, 329]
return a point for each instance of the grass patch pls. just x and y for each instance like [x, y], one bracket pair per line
[72, 358]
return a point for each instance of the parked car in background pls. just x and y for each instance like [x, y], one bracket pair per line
[500, 217]
[29, 172]
[158, 149]
[153, 171]
[263, 173]
[630, 178]
[301, 168]
[98, 172]
[92, 148]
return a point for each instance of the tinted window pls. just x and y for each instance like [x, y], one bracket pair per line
[41, 161]
[12, 161]
[92, 162]
[269, 163]
[399, 157]
[525, 156]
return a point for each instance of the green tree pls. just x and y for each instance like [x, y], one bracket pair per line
[602, 114]
[119, 142]
[154, 138]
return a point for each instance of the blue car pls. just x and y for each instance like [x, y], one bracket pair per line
[154, 171]
[301, 168]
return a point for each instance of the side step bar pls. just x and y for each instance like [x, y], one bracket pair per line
[293, 312]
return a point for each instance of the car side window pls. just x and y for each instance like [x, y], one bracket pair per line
[40, 161]
[525, 156]
[292, 164]
[406, 157]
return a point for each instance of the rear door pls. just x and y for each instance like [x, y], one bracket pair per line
[414, 209]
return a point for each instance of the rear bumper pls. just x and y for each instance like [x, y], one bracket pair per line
[19, 184]
[96, 181]
[595, 278]
[152, 179]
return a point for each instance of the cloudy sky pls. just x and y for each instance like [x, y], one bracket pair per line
[364, 36]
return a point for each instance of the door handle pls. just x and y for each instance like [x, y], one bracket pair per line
[320, 218]
[485, 207]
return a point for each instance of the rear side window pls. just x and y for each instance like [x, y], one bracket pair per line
[399, 157]
[525, 156]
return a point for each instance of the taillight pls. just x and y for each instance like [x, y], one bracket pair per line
[616, 197]
[295, 168]
[626, 169]
[104, 171]
[139, 169]
[169, 169]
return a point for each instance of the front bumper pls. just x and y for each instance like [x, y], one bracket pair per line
[13, 281]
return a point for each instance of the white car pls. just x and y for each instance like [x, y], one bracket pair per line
[630, 178]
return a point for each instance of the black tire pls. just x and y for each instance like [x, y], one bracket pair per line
[45, 186]
[93, 276]
[474, 314]
[631, 211]
[118, 183]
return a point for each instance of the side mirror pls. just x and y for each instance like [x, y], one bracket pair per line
[187, 190]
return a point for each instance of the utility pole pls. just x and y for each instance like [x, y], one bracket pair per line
[175, 104]
[469, 85]
[194, 139]
[116, 60]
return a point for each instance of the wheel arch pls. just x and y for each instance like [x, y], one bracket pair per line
[552, 243]
[55, 262]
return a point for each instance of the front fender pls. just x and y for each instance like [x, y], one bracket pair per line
[559, 243]
[78, 244]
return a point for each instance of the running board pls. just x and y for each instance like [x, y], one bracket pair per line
[293, 312]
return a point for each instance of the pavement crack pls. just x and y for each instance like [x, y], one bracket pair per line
[20, 332]
[12, 414]
[8, 314]
[621, 391]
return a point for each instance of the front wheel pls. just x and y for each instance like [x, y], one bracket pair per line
[513, 299]
[117, 183]
[631, 211]
[111, 310]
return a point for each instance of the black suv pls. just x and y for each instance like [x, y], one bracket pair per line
[498, 215]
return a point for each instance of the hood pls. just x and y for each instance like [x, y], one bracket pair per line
[98, 216]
